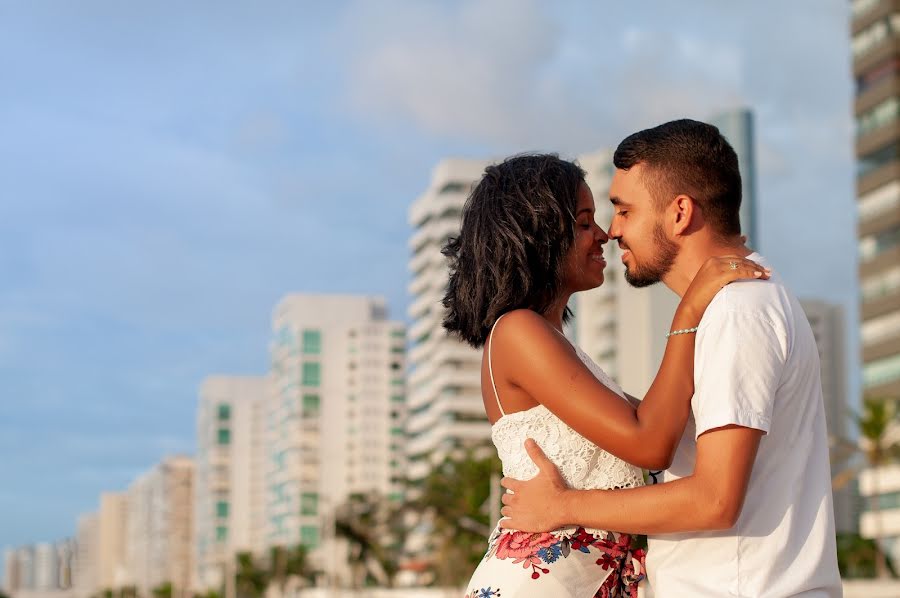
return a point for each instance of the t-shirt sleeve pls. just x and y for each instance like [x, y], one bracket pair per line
[738, 365]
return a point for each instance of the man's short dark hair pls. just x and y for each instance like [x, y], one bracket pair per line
[687, 157]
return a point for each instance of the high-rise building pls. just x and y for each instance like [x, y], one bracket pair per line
[84, 575]
[737, 127]
[46, 567]
[827, 323]
[229, 488]
[876, 70]
[66, 551]
[159, 528]
[11, 581]
[111, 541]
[445, 407]
[334, 418]
[26, 561]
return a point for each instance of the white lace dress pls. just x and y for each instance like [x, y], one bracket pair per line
[569, 562]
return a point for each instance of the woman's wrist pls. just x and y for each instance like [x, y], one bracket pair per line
[686, 316]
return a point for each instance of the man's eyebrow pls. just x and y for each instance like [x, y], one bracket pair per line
[617, 201]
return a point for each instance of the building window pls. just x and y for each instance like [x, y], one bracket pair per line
[222, 508]
[312, 342]
[310, 405]
[311, 374]
[309, 503]
[224, 436]
[398, 398]
[221, 533]
[224, 412]
[397, 431]
[309, 536]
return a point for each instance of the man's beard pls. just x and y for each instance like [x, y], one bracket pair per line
[665, 252]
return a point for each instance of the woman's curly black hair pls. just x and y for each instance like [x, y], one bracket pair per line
[517, 227]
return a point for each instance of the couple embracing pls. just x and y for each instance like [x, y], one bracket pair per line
[734, 415]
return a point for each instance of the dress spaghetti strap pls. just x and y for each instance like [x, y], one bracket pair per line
[490, 365]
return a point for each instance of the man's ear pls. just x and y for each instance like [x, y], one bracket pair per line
[684, 215]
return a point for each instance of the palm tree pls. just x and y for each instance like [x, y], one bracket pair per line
[371, 525]
[286, 565]
[879, 446]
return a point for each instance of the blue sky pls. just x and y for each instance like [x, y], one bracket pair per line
[169, 170]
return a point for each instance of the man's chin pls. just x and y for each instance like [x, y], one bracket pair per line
[638, 281]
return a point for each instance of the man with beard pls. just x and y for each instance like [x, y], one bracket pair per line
[745, 508]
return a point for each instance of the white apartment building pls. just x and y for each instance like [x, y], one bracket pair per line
[445, 406]
[880, 487]
[84, 574]
[111, 541]
[229, 493]
[827, 323]
[159, 537]
[66, 551]
[334, 418]
[10, 571]
[46, 567]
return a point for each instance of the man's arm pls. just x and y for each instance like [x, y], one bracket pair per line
[709, 499]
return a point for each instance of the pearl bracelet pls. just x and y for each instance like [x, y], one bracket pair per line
[685, 331]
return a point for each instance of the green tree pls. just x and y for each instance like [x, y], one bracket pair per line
[877, 424]
[163, 590]
[456, 501]
[858, 556]
[251, 579]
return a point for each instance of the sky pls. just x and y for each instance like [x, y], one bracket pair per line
[169, 170]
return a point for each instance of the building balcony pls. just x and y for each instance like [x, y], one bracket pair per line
[884, 524]
[879, 263]
[877, 177]
[437, 230]
[883, 347]
[436, 278]
[433, 205]
[888, 48]
[429, 324]
[881, 215]
[884, 304]
[877, 138]
[870, 97]
[877, 12]
[887, 389]
[428, 302]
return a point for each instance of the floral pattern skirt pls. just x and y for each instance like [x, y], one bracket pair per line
[570, 565]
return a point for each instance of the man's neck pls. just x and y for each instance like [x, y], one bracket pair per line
[692, 256]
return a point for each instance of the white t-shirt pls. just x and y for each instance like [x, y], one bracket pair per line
[756, 365]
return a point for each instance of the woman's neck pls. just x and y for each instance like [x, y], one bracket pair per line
[554, 314]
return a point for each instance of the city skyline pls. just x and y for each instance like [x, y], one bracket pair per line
[167, 183]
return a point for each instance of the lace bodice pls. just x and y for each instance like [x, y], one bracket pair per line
[582, 464]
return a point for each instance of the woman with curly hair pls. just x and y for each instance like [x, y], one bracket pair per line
[528, 242]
